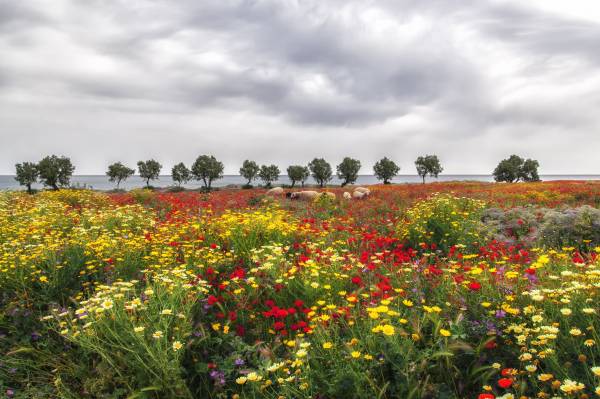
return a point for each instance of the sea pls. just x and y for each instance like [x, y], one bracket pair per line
[100, 182]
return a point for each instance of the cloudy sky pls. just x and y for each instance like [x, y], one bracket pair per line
[285, 81]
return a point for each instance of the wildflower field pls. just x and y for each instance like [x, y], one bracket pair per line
[443, 290]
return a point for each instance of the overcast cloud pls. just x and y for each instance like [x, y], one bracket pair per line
[285, 81]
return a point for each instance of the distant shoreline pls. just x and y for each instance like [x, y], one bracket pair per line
[198, 187]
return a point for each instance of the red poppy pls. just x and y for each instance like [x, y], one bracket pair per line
[278, 325]
[212, 299]
[485, 396]
[505, 383]
[474, 286]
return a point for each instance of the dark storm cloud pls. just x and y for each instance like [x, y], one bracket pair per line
[16, 14]
[547, 35]
[381, 74]
[276, 51]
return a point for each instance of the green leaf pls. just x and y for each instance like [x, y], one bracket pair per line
[140, 394]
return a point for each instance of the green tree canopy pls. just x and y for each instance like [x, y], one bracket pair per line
[149, 170]
[118, 172]
[515, 168]
[180, 174]
[385, 169]
[249, 170]
[298, 173]
[321, 171]
[529, 170]
[269, 174]
[207, 169]
[27, 173]
[348, 170]
[428, 165]
[55, 171]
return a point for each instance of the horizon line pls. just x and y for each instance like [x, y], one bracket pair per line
[334, 175]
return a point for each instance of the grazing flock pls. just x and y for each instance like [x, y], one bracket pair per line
[311, 195]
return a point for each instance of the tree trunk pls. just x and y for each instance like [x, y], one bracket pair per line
[423, 179]
[293, 182]
[29, 188]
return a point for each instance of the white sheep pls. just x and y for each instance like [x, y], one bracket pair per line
[347, 195]
[275, 191]
[359, 195]
[363, 190]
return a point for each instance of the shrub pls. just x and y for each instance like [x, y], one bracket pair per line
[175, 189]
[244, 231]
[551, 228]
[142, 196]
[516, 225]
[442, 221]
[571, 227]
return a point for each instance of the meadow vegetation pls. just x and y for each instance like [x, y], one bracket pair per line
[443, 290]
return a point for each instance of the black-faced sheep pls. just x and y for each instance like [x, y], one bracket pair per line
[303, 195]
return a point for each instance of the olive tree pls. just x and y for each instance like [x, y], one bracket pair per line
[180, 174]
[529, 170]
[117, 172]
[348, 170]
[428, 165]
[321, 171]
[385, 169]
[298, 173]
[27, 173]
[55, 172]
[149, 170]
[207, 169]
[515, 168]
[269, 174]
[249, 171]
